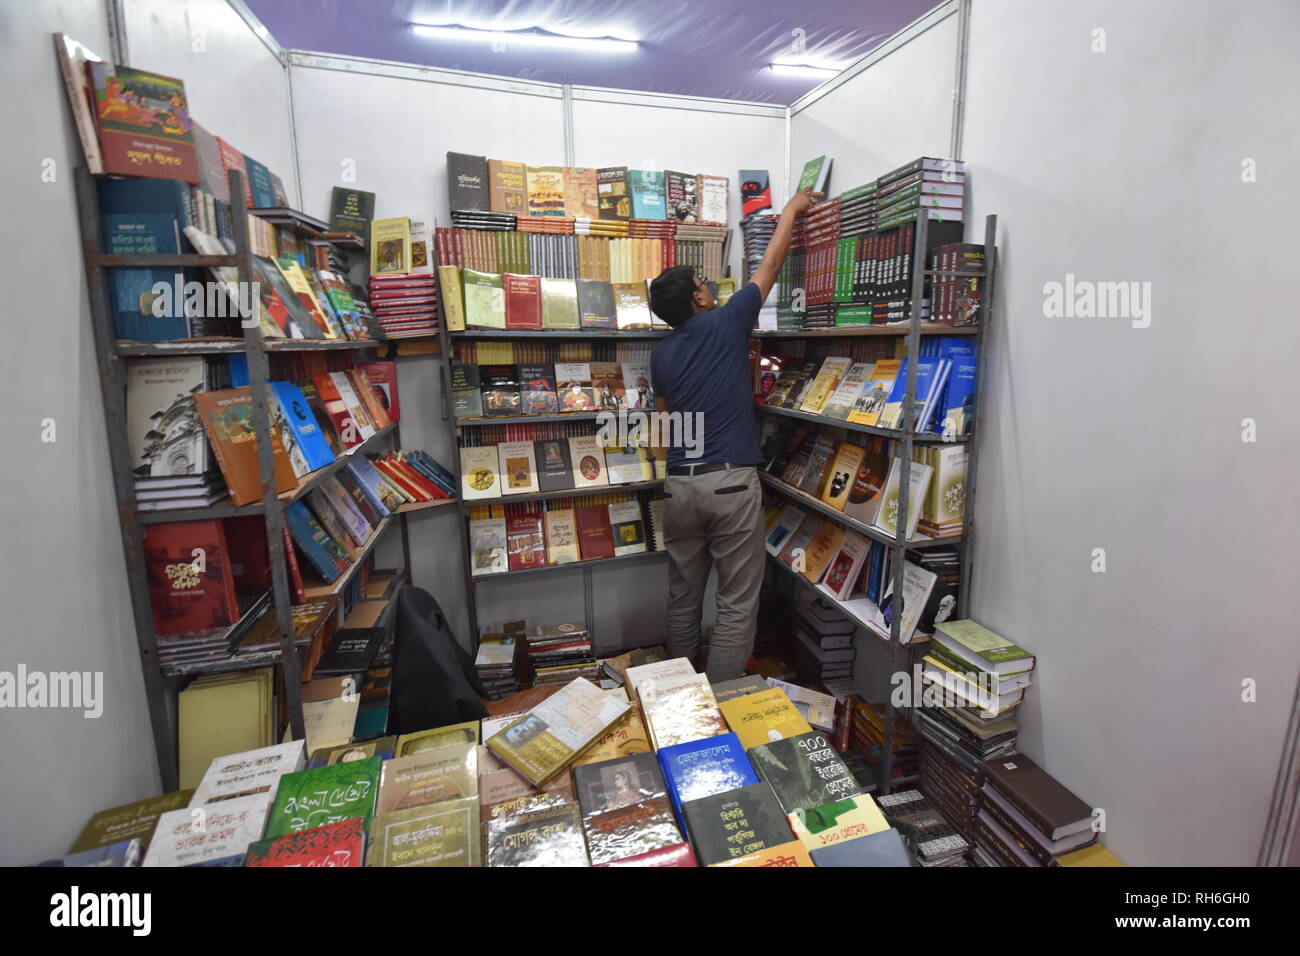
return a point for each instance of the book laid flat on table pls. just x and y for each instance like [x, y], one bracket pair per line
[438, 834]
[783, 855]
[763, 717]
[465, 732]
[837, 822]
[252, 772]
[704, 767]
[551, 836]
[342, 843]
[875, 849]
[199, 834]
[325, 795]
[132, 821]
[804, 771]
[759, 823]
[677, 712]
[548, 738]
[740, 687]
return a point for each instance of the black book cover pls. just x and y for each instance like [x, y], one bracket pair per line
[351, 211]
[466, 399]
[500, 390]
[467, 182]
[596, 304]
[803, 771]
[554, 471]
[735, 823]
[352, 651]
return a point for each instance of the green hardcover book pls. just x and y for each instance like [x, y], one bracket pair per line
[485, 300]
[466, 394]
[804, 771]
[816, 174]
[315, 798]
[440, 834]
[988, 651]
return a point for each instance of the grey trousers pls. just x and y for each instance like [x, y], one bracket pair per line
[714, 520]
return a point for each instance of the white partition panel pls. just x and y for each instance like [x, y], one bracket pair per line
[236, 85]
[641, 135]
[898, 108]
[1101, 435]
[64, 584]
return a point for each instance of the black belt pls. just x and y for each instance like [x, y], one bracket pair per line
[693, 470]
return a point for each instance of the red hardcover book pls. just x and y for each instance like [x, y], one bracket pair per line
[191, 587]
[232, 158]
[414, 475]
[525, 545]
[523, 301]
[250, 562]
[295, 572]
[399, 477]
[679, 854]
[337, 844]
[143, 123]
[383, 376]
[595, 536]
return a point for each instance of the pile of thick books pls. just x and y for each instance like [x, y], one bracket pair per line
[559, 653]
[584, 226]
[1026, 817]
[823, 641]
[562, 225]
[756, 232]
[651, 228]
[406, 305]
[497, 661]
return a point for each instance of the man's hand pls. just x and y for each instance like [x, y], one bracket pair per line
[765, 275]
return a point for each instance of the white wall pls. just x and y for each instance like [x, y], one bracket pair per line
[1126, 165]
[63, 584]
[236, 86]
[899, 108]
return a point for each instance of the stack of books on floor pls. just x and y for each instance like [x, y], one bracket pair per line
[559, 653]
[973, 680]
[823, 641]
[497, 662]
[924, 829]
[1025, 817]
[576, 780]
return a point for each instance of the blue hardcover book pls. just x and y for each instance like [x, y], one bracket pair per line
[433, 471]
[131, 291]
[367, 487]
[125, 853]
[314, 541]
[958, 404]
[647, 194]
[164, 197]
[925, 371]
[238, 370]
[937, 385]
[873, 572]
[259, 182]
[875, 849]
[374, 480]
[298, 416]
[701, 768]
[374, 513]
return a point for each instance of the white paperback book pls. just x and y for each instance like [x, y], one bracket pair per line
[211, 832]
[887, 516]
[250, 772]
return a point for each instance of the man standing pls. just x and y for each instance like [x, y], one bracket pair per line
[713, 500]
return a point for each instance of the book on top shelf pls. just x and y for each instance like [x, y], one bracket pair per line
[142, 121]
[390, 246]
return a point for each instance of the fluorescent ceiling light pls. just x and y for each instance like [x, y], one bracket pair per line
[593, 44]
[802, 69]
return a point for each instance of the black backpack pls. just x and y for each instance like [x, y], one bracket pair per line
[434, 681]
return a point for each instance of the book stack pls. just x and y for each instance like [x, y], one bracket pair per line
[1025, 817]
[560, 653]
[823, 641]
[932, 840]
[255, 617]
[858, 211]
[406, 305]
[867, 734]
[483, 220]
[694, 232]
[756, 233]
[651, 228]
[615, 228]
[977, 668]
[497, 662]
[931, 187]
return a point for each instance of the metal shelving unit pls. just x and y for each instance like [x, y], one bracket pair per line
[113, 355]
[905, 439]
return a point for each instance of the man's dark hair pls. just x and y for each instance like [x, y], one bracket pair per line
[671, 295]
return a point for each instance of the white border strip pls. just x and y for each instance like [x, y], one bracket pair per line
[425, 74]
[899, 39]
[673, 101]
[259, 29]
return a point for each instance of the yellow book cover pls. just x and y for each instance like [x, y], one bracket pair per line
[390, 246]
[626, 737]
[763, 717]
[827, 380]
[550, 736]
[324, 318]
[439, 773]
[441, 834]
[838, 822]
[1095, 855]
[462, 733]
[128, 822]
[215, 719]
[452, 298]
[787, 854]
[840, 475]
[869, 405]
[821, 549]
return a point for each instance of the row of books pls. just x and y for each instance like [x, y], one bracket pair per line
[547, 388]
[519, 537]
[609, 258]
[193, 444]
[873, 393]
[530, 467]
[479, 184]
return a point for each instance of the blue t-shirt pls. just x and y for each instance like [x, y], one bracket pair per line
[703, 367]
